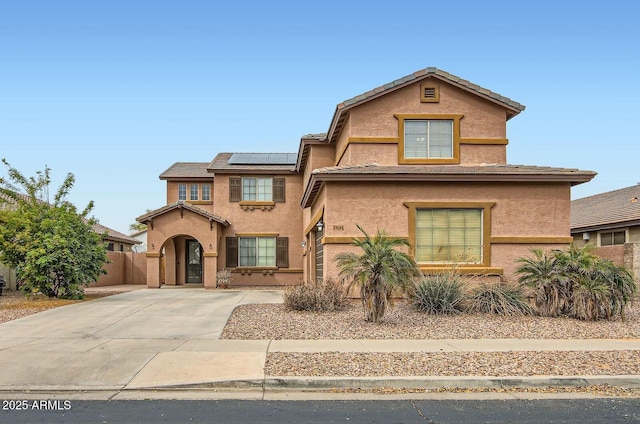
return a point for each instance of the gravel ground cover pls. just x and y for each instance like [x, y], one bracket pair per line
[272, 321]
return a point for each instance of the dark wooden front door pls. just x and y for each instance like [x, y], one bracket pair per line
[194, 262]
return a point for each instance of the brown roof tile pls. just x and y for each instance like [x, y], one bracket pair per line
[188, 170]
[184, 205]
[613, 208]
[440, 173]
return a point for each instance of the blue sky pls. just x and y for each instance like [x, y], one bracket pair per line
[116, 91]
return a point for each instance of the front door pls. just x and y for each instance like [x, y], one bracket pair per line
[194, 262]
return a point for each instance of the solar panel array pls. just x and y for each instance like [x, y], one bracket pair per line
[263, 159]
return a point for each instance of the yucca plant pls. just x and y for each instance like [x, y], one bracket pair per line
[377, 270]
[499, 299]
[439, 294]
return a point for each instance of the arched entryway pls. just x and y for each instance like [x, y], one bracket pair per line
[183, 243]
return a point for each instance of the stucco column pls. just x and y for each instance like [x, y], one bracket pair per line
[153, 270]
[210, 268]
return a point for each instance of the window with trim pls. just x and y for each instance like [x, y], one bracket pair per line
[206, 192]
[256, 189]
[250, 251]
[611, 238]
[449, 236]
[193, 192]
[428, 138]
[182, 192]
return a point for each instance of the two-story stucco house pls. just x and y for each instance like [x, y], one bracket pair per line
[423, 157]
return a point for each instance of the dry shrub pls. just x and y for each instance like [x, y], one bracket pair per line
[498, 298]
[316, 296]
[439, 294]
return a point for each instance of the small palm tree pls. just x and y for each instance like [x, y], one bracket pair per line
[378, 270]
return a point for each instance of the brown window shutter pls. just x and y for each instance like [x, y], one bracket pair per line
[282, 252]
[279, 190]
[235, 189]
[232, 252]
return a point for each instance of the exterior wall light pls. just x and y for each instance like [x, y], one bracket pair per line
[320, 225]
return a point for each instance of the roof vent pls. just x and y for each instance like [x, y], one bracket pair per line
[429, 93]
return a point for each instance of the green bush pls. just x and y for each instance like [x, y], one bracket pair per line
[319, 296]
[439, 294]
[576, 283]
[498, 298]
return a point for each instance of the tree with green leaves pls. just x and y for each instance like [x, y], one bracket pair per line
[379, 269]
[50, 244]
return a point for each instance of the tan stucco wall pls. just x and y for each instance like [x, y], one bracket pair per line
[172, 193]
[320, 156]
[124, 268]
[521, 210]
[285, 220]
[482, 119]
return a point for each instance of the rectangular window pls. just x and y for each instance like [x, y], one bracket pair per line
[428, 139]
[193, 192]
[612, 238]
[259, 189]
[182, 192]
[449, 236]
[257, 251]
[206, 191]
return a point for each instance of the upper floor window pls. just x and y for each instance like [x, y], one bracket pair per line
[428, 138]
[193, 192]
[197, 193]
[258, 189]
[611, 238]
[206, 192]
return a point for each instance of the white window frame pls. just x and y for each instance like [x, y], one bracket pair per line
[262, 189]
[193, 192]
[182, 191]
[206, 192]
[426, 138]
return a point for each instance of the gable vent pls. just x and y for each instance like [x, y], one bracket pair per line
[429, 93]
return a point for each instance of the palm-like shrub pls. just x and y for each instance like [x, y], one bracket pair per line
[499, 299]
[439, 294]
[377, 270]
[576, 283]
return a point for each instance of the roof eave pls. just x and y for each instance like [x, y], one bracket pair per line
[316, 180]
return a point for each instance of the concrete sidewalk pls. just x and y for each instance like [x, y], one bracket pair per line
[158, 340]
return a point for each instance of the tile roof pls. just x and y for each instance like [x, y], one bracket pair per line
[222, 163]
[113, 234]
[614, 208]
[186, 170]
[442, 173]
[181, 204]
[443, 75]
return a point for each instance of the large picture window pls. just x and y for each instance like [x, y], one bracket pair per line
[428, 139]
[449, 236]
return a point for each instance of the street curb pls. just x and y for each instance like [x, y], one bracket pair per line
[277, 383]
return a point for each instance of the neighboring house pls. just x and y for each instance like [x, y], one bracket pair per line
[116, 241]
[607, 219]
[141, 236]
[611, 223]
[422, 157]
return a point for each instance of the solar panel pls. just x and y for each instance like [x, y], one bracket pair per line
[263, 159]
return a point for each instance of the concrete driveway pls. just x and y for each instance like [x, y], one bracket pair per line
[141, 339]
